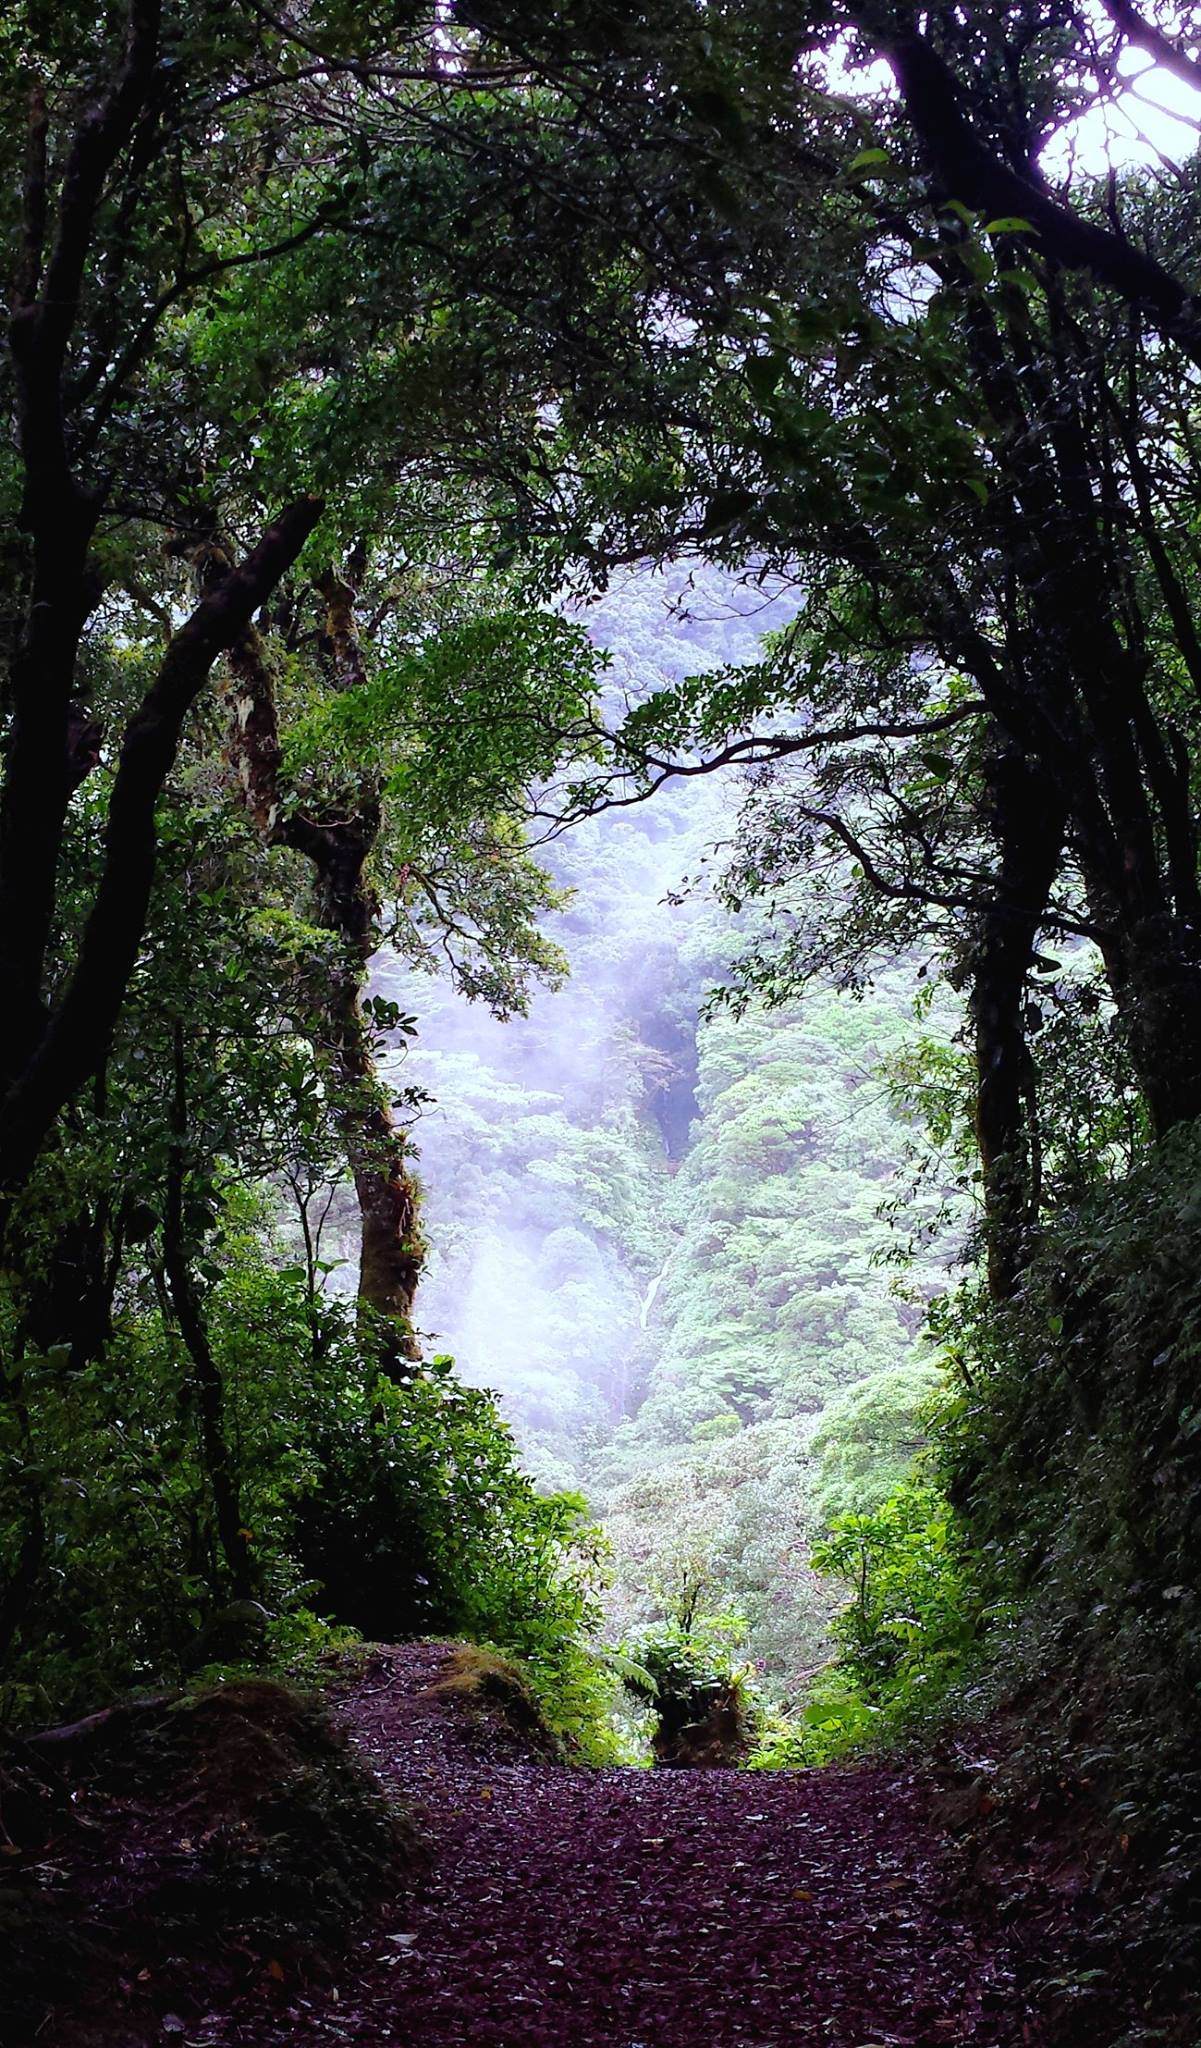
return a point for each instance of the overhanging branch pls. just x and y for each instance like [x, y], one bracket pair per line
[79, 1032]
[972, 172]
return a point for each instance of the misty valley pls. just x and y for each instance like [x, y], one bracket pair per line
[656, 1228]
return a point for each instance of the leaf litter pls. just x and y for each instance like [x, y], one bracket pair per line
[818, 1907]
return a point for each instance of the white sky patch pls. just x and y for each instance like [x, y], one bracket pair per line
[1154, 119]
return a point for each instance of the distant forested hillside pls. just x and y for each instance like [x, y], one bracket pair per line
[655, 1227]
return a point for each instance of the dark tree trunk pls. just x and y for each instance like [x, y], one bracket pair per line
[38, 780]
[1027, 820]
[59, 515]
[206, 1373]
[1074, 697]
[377, 1152]
[391, 1252]
[74, 1041]
[973, 167]
[52, 740]
[1154, 970]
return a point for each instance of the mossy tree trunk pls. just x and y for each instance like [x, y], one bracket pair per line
[339, 848]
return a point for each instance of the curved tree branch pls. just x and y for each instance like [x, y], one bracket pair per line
[972, 172]
[78, 1034]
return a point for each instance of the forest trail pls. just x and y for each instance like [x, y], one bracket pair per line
[647, 1909]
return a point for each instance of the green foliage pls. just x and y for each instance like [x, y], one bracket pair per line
[678, 1657]
[869, 1436]
[459, 718]
[725, 1526]
[690, 1671]
[716, 1429]
[1073, 1445]
[837, 1720]
[419, 1521]
[393, 1510]
[913, 1612]
[1045, 1543]
[771, 1301]
[905, 1636]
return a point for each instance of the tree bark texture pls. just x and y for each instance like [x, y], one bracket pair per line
[59, 514]
[74, 1040]
[1027, 821]
[1069, 688]
[338, 849]
[207, 1381]
[974, 170]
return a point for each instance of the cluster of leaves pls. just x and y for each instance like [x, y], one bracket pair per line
[903, 1638]
[687, 1669]
[1046, 1540]
[912, 1613]
[420, 1521]
[678, 1656]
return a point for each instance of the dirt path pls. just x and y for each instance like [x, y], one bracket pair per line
[640, 1909]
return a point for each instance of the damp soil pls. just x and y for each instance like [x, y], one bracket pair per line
[669, 1908]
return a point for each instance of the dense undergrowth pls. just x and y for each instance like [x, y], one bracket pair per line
[1060, 1495]
[375, 1507]
[1032, 1578]
[1057, 1502]
[1022, 1612]
[1072, 1454]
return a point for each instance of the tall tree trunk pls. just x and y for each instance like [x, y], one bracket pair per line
[1027, 820]
[338, 849]
[1077, 700]
[1154, 969]
[59, 515]
[206, 1373]
[391, 1251]
[74, 1040]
